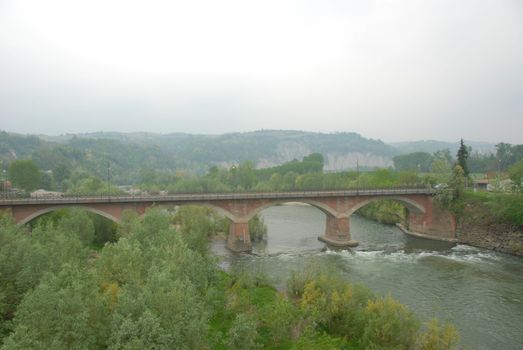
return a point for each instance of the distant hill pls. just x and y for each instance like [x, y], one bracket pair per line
[129, 153]
[266, 148]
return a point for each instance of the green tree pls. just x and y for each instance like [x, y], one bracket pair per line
[504, 155]
[516, 175]
[57, 314]
[24, 259]
[257, 229]
[457, 181]
[279, 318]
[289, 181]
[61, 173]
[462, 156]
[441, 163]
[46, 181]
[451, 197]
[311, 340]
[438, 337]
[24, 174]
[389, 325]
[77, 222]
[243, 334]
[417, 161]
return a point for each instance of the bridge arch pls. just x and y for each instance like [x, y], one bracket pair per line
[43, 211]
[327, 210]
[410, 204]
[208, 205]
[216, 208]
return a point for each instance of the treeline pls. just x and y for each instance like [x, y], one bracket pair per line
[503, 159]
[157, 287]
[306, 174]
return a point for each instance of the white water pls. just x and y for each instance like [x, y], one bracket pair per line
[480, 291]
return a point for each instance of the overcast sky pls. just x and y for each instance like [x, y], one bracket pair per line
[393, 70]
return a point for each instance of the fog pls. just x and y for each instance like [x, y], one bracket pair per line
[393, 70]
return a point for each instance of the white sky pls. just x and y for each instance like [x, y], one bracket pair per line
[394, 70]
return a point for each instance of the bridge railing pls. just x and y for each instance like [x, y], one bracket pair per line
[195, 196]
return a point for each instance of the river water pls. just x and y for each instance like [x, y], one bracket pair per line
[480, 291]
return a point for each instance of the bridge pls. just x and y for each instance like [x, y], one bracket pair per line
[424, 217]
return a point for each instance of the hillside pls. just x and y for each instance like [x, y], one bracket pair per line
[129, 153]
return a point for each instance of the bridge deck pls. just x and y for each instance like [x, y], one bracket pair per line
[194, 197]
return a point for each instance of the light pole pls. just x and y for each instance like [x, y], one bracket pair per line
[4, 181]
[357, 176]
[108, 179]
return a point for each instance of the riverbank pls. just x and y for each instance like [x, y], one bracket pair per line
[484, 220]
[501, 239]
[482, 223]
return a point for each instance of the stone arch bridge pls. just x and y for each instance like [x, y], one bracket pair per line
[424, 217]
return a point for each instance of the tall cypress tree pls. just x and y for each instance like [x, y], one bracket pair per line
[462, 156]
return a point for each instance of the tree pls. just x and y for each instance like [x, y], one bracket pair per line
[61, 173]
[78, 223]
[24, 174]
[441, 163]
[58, 313]
[504, 155]
[417, 161]
[516, 175]
[438, 337]
[450, 197]
[46, 181]
[243, 333]
[245, 175]
[389, 325]
[462, 156]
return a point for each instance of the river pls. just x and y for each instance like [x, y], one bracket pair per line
[480, 291]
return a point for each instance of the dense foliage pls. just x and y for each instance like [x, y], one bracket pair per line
[24, 174]
[157, 287]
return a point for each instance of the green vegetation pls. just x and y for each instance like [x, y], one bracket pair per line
[385, 211]
[296, 175]
[131, 156]
[417, 161]
[516, 175]
[24, 174]
[96, 163]
[157, 287]
[500, 207]
[257, 229]
[462, 156]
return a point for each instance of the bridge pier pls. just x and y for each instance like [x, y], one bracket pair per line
[239, 239]
[434, 223]
[337, 232]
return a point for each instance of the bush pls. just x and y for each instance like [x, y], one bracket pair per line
[438, 337]
[388, 324]
[243, 334]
